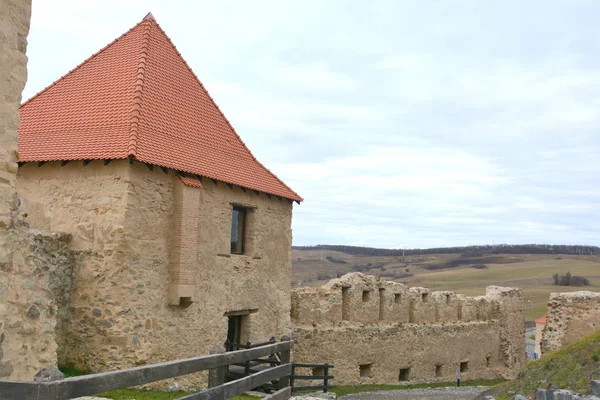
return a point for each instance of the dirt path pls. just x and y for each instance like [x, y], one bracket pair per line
[446, 393]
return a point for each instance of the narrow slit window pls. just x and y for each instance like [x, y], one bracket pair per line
[397, 298]
[238, 227]
[366, 295]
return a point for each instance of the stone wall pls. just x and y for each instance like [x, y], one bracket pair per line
[384, 332]
[571, 317]
[127, 243]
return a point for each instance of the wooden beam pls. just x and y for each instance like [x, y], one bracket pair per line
[40, 163]
[21, 163]
[87, 385]
[131, 158]
[243, 189]
[257, 192]
[106, 162]
[86, 162]
[165, 170]
[199, 177]
[297, 201]
[150, 166]
[214, 181]
[268, 195]
[230, 185]
[64, 162]
[242, 385]
[291, 201]
[282, 394]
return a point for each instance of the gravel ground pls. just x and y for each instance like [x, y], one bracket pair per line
[445, 393]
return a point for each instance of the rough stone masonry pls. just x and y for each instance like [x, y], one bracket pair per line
[382, 332]
[35, 266]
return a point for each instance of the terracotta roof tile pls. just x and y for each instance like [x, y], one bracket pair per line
[193, 182]
[541, 320]
[137, 97]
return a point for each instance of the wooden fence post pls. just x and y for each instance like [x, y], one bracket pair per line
[326, 379]
[216, 376]
[285, 358]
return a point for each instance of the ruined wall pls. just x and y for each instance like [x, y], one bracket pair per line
[34, 266]
[384, 332]
[571, 317]
[121, 217]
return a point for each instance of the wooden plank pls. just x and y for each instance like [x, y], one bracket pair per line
[242, 385]
[98, 383]
[285, 357]
[281, 394]
[21, 390]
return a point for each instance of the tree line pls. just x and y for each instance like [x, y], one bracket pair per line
[471, 251]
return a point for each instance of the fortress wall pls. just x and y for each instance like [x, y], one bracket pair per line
[372, 329]
[571, 317]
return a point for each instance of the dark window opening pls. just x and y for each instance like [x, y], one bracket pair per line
[366, 295]
[365, 370]
[424, 297]
[464, 366]
[447, 299]
[404, 374]
[487, 361]
[381, 304]
[234, 330]
[397, 298]
[438, 371]
[238, 227]
[345, 303]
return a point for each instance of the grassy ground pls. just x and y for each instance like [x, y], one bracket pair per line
[531, 272]
[571, 367]
[344, 390]
[139, 394]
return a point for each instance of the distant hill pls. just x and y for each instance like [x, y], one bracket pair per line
[468, 251]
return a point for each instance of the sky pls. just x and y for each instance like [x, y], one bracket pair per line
[402, 124]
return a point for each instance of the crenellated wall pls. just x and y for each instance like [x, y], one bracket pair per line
[372, 329]
[571, 317]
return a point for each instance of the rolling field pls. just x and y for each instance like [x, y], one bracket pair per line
[531, 272]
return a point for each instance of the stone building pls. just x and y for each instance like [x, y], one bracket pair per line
[382, 332]
[181, 239]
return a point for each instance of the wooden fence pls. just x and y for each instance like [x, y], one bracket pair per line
[88, 385]
[319, 367]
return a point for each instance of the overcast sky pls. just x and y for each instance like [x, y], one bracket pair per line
[401, 123]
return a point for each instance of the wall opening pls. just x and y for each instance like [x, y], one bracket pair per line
[404, 374]
[366, 295]
[464, 366]
[381, 304]
[237, 330]
[318, 371]
[424, 297]
[447, 299]
[411, 311]
[460, 312]
[365, 370]
[345, 303]
[487, 361]
[438, 370]
[397, 298]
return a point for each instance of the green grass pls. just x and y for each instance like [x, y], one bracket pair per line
[139, 394]
[344, 390]
[571, 367]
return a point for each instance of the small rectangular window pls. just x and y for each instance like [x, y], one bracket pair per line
[404, 374]
[464, 366]
[365, 370]
[397, 298]
[238, 225]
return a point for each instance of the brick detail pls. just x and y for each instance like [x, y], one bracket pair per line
[184, 242]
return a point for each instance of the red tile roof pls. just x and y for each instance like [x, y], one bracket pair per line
[541, 320]
[138, 98]
[193, 182]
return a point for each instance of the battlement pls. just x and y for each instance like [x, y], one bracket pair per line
[366, 299]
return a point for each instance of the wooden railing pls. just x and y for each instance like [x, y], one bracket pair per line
[88, 385]
[325, 377]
